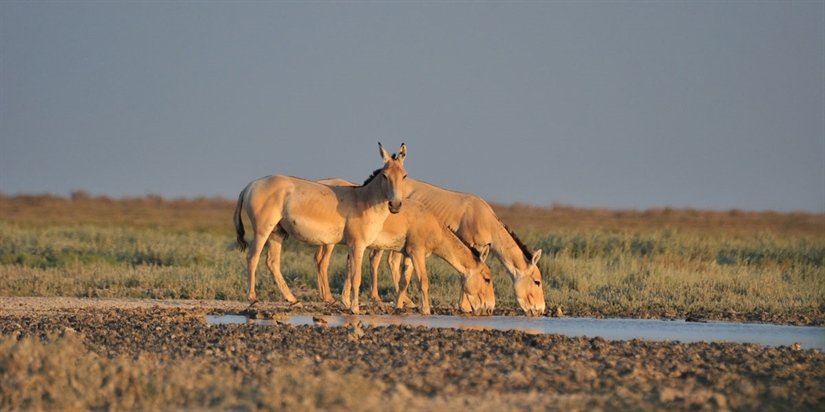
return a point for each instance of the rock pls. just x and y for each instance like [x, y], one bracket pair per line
[668, 394]
[355, 332]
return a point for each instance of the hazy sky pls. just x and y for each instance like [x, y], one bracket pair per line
[597, 104]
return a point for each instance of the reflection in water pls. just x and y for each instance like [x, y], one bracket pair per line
[610, 329]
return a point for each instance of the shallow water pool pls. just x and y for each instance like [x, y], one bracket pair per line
[610, 329]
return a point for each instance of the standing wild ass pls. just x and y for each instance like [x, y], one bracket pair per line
[313, 213]
[416, 233]
[475, 223]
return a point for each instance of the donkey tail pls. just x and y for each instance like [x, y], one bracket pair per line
[239, 230]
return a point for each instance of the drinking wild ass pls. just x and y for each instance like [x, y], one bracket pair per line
[279, 206]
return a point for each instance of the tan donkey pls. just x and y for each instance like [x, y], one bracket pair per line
[279, 206]
[416, 233]
[475, 223]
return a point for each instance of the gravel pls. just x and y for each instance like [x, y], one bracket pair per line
[435, 368]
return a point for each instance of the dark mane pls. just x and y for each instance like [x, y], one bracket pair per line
[372, 176]
[527, 253]
[375, 173]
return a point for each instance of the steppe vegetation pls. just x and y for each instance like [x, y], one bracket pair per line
[609, 262]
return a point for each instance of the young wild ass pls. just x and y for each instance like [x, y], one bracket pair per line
[279, 206]
[416, 233]
[475, 222]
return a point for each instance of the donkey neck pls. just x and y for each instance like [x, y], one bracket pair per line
[508, 249]
[455, 252]
[372, 196]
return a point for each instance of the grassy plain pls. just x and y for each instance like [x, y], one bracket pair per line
[612, 261]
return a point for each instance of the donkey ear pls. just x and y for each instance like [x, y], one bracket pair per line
[536, 256]
[402, 153]
[384, 155]
[483, 252]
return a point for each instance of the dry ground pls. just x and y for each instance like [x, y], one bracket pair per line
[145, 354]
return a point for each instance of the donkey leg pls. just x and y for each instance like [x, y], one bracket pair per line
[322, 257]
[347, 289]
[355, 261]
[394, 261]
[403, 283]
[253, 256]
[420, 264]
[375, 263]
[273, 262]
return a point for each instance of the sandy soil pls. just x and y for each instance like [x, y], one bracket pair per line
[432, 368]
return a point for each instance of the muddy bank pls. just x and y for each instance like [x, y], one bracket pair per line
[263, 310]
[758, 316]
[428, 368]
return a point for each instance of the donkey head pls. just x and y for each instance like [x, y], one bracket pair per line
[392, 177]
[477, 286]
[528, 287]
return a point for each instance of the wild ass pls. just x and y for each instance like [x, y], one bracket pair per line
[416, 233]
[279, 206]
[475, 223]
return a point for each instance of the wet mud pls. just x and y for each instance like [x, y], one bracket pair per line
[484, 368]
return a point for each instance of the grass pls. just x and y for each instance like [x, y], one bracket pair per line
[680, 260]
[686, 272]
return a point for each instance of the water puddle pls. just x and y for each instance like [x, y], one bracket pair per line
[609, 329]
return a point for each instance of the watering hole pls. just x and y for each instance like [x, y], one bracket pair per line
[609, 329]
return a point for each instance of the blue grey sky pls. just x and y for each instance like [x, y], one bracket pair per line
[616, 104]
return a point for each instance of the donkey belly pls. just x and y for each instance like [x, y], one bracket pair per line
[313, 231]
[389, 241]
